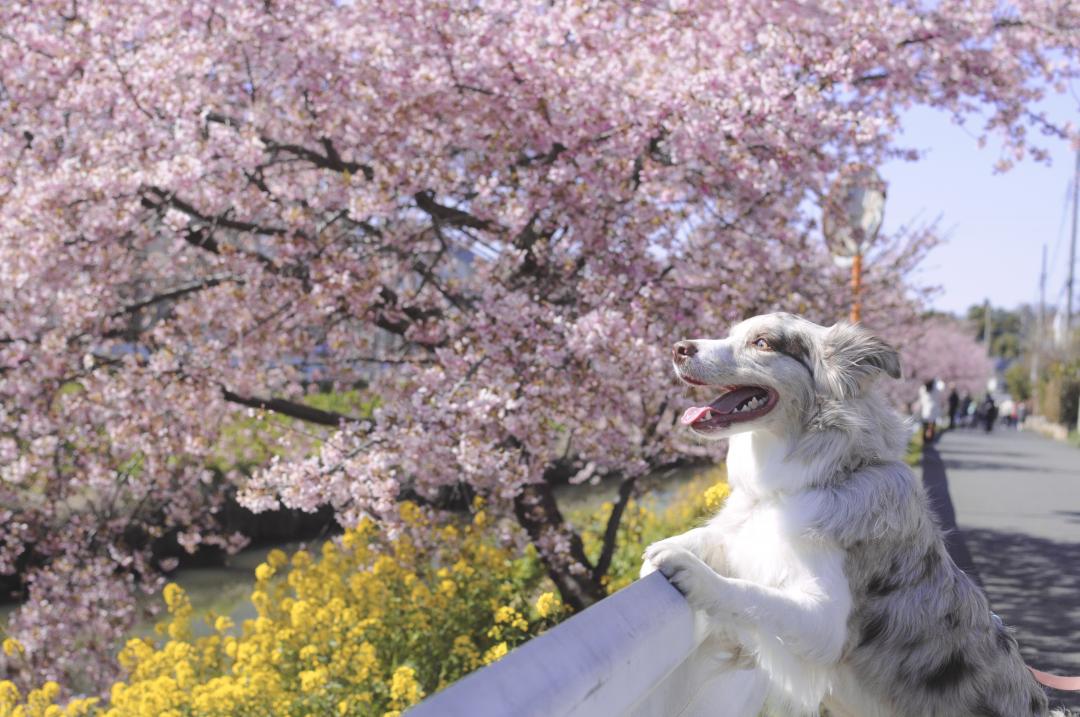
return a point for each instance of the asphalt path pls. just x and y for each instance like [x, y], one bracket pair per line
[1015, 498]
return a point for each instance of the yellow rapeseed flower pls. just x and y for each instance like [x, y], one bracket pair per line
[716, 495]
[9, 695]
[311, 680]
[13, 647]
[496, 652]
[264, 571]
[300, 614]
[277, 559]
[547, 604]
[410, 513]
[404, 689]
[173, 595]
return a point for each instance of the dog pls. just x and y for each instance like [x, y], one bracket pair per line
[824, 579]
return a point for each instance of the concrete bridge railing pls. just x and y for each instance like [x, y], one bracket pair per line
[626, 655]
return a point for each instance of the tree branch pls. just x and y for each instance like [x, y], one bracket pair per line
[537, 512]
[388, 303]
[331, 160]
[1003, 24]
[220, 220]
[177, 292]
[611, 531]
[448, 215]
[290, 408]
[202, 237]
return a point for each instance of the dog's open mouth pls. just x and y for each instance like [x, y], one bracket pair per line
[737, 404]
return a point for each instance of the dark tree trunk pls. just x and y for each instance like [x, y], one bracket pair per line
[573, 574]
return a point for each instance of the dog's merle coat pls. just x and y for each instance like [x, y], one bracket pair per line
[825, 576]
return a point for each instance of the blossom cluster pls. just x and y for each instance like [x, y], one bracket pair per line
[943, 349]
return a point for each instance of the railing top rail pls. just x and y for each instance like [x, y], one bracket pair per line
[603, 661]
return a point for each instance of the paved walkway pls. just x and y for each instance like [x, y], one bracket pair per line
[1016, 497]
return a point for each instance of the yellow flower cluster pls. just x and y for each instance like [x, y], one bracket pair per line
[365, 630]
[40, 702]
[715, 496]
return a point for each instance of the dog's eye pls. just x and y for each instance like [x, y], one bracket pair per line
[763, 344]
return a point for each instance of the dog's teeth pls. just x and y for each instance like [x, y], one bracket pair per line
[751, 404]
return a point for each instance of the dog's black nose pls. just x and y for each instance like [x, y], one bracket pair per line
[682, 351]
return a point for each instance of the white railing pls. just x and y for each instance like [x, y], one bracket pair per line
[626, 655]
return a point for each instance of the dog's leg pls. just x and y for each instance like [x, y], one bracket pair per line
[811, 623]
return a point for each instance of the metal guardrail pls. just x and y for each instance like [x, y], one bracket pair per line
[626, 655]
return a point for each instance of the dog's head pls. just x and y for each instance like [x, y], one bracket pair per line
[776, 369]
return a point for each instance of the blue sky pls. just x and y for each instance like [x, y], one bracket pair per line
[995, 223]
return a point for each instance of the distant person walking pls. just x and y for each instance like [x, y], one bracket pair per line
[1007, 411]
[929, 410]
[988, 412]
[954, 406]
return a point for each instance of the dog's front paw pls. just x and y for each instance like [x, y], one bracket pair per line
[648, 567]
[686, 571]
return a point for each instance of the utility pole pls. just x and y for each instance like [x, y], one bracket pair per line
[1072, 251]
[1036, 350]
[1072, 263]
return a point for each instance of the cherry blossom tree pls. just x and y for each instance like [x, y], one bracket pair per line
[496, 217]
[943, 349]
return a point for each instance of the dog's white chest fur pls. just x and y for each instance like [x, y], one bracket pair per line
[759, 546]
[764, 523]
[764, 529]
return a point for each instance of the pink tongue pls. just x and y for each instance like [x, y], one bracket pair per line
[694, 413]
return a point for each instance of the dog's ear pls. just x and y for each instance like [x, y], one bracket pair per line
[851, 356]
